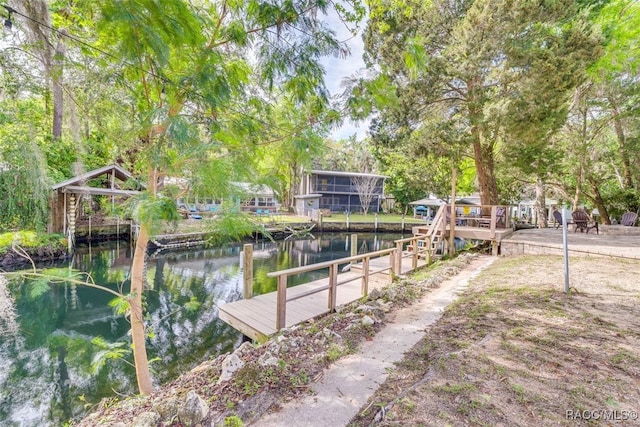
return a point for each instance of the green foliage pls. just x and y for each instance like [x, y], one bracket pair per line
[153, 210]
[230, 227]
[23, 181]
[233, 421]
[30, 240]
[107, 351]
[120, 305]
[38, 287]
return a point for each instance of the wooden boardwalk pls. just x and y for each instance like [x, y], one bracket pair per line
[257, 317]
[262, 316]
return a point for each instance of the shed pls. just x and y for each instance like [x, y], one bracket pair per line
[109, 180]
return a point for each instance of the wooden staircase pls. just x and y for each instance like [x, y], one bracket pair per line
[430, 242]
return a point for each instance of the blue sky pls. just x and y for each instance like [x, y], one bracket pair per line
[339, 68]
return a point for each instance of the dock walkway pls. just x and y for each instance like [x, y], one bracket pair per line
[257, 317]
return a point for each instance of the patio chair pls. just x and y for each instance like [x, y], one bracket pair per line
[583, 222]
[629, 219]
[557, 215]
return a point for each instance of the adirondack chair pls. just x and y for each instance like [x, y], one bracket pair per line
[583, 222]
[629, 219]
[557, 215]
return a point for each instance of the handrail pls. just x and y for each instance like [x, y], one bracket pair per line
[395, 255]
[282, 276]
[325, 264]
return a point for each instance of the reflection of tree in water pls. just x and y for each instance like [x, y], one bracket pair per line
[8, 324]
[62, 384]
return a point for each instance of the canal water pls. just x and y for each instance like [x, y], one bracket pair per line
[72, 350]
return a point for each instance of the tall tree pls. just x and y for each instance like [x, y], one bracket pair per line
[460, 63]
[188, 69]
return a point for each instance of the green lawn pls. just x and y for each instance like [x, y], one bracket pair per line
[388, 218]
[191, 225]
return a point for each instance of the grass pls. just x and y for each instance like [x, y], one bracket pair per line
[30, 239]
[281, 218]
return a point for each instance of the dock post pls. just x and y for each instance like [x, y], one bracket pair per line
[392, 264]
[247, 274]
[414, 260]
[365, 276]
[281, 303]
[399, 257]
[375, 226]
[333, 286]
[354, 246]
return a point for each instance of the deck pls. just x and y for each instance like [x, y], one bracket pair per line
[263, 315]
[468, 232]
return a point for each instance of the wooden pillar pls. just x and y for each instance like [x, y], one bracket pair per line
[354, 246]
[247, 271]
[398, 268]
[365, 276]
[281, 303]
[333, 286]
[72, 222]
[452, 226]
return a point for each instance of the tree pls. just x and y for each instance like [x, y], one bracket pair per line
[365, 186]
[191, 84]
[457, 66]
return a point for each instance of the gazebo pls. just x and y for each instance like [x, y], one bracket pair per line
[106, 181]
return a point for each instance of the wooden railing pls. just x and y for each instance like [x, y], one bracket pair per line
[396, 254]
[283, 275]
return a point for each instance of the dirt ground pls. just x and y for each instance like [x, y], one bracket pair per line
[516, 350]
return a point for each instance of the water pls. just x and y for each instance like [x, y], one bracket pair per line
[72, 350]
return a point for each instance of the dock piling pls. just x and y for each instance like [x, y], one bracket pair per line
[247, 268]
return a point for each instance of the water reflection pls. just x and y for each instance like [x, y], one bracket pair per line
[72, 350]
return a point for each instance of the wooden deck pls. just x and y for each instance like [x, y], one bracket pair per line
[257, 317]
[262, 316]
[476, 233]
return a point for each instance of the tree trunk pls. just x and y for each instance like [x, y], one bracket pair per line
[578, 193]
[597, 200]
[483, 156]
[138, 335]
[540, 205]
[145, 386]
[57, 73]
[622, 143]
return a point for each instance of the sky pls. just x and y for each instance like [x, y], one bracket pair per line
[339, 68]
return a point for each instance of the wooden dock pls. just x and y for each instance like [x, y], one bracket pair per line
[263, 315]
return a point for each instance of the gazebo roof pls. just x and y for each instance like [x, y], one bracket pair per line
[77, 184]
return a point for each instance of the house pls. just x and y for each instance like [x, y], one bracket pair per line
[254, 198]
[339, 192]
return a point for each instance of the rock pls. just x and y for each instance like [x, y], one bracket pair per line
[268, 359]
[230, 365]
[244, 348]
[194, 410]
[255, 406]
[168, 408]
[384, 306]
[147, 419]
[367, 321]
